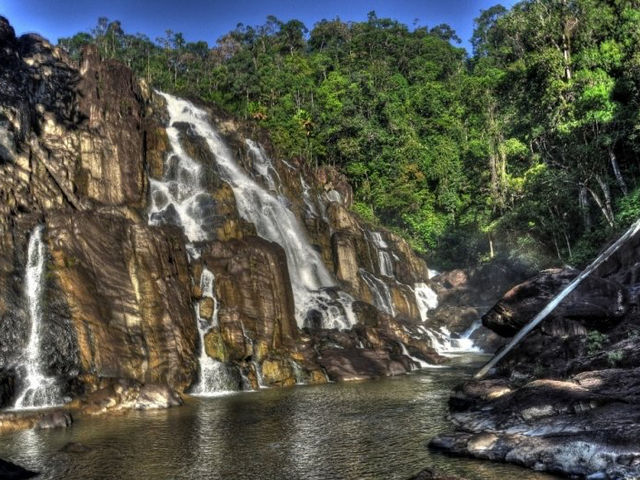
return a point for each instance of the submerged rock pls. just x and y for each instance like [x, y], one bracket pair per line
[432, 474]
[76, 447]
[59, 419]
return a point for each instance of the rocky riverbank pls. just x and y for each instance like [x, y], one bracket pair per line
[567, 399]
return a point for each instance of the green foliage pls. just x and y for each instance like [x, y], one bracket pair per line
[595, 341]
[614, 358]
[528, 148]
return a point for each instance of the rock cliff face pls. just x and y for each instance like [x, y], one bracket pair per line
[74, 152]
[132, 293]
[566, 399]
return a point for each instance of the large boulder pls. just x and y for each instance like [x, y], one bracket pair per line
[597, 302]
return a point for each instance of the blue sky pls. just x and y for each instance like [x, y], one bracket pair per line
[208, 20]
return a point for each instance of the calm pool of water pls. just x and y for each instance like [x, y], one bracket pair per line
[369, 430]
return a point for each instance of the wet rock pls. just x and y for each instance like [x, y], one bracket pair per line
[57, 419]
[28, 419]
[8, 470]
[215, 346]
[597, 302]
[454, 278]
[157, 396]
[349, 365]
[124, 394]
[254, 293]
[207, 306]
[7, 387]
[278, 372]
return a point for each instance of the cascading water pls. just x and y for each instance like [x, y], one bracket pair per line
[384, 259]
[214, 375]
[418, 361]
[180, 199]
[262, 164]
[380, 291]
[426, 299]
[306, 197]
[39, 390]
[442, 341]
[311, 281]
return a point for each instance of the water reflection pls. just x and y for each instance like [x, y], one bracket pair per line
[367, 430]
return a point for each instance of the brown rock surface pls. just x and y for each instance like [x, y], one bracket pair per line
[127, 291]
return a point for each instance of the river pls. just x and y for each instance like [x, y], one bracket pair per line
[365, 430]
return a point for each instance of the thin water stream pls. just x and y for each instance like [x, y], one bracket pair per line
[366, 430]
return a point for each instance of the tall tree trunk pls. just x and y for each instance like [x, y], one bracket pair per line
[583, 200]
[566, 56]
[602, 207]
[617, 173]
[566, 239]
[606, 192]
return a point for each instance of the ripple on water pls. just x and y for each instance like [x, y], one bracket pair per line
[369, 430]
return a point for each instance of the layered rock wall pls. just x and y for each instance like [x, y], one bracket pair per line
[80, 146]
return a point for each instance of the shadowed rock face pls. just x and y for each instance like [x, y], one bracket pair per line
[597, 302]
[563, 400]
[75, 142]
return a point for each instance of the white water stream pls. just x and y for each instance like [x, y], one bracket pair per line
[441, 340]
[39, 390]
[274, 221]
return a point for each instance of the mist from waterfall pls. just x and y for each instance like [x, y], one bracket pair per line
[38, 390]
[274, 221]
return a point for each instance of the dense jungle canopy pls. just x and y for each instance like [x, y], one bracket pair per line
[528, 146]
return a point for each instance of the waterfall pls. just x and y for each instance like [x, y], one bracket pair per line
[442, 340]
[39, 390]
[386, 267]
[215, 378]
[421, 363]
[262, 164]
[426, 299]
[274, 221]
[380, 291]
[306, 197]
[432, 273]
[384, 259]
[445, 343]
[179, 198]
